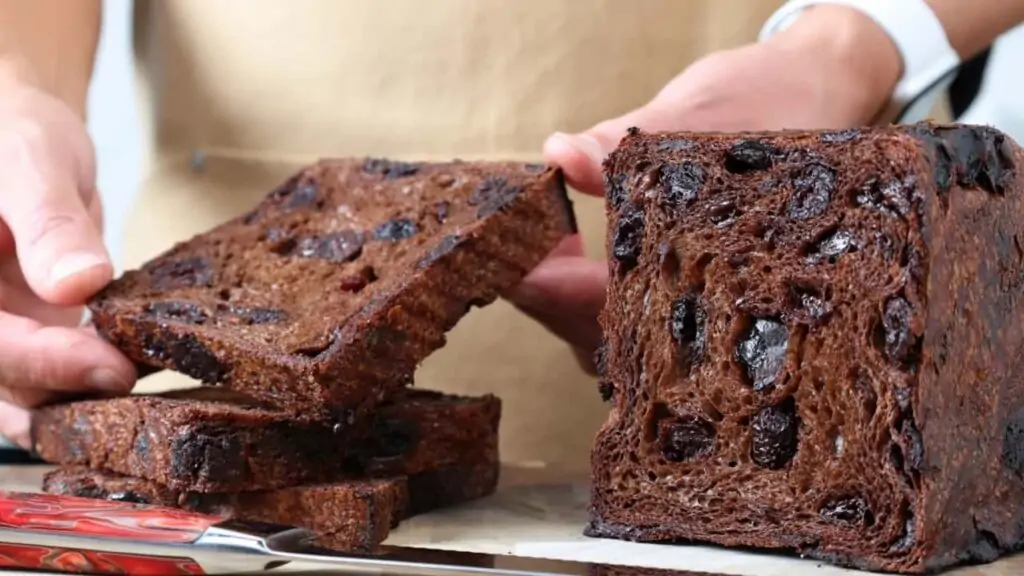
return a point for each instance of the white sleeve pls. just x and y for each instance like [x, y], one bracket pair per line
[929, 63]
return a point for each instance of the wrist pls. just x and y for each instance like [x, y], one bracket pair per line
[17, 75]
[860, 62]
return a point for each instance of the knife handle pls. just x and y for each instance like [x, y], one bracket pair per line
[57, 514]
[68, 561]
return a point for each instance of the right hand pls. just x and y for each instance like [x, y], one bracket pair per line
[52, 259]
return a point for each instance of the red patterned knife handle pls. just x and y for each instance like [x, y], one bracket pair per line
[56, 514]
[67, 561]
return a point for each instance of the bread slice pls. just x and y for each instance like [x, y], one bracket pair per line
[814, 344]
[353, 514]
[348, 514]
[214, 440]
[327, 295]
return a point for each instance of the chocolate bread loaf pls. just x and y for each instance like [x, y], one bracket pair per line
[214, 440]
[328, 294]
[813, 343]
[355, 514]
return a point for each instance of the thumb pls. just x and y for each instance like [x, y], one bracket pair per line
[59, 245]
[581, 155]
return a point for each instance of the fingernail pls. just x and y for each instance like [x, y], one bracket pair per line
[73, 264]
[584, 144]
[587, 145]
[106, 379]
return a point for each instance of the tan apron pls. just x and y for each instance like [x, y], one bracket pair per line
[238, 93]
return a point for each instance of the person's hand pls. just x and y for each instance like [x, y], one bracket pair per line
[834, 68]
[52, 259]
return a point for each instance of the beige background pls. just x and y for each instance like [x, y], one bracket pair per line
[260, 86]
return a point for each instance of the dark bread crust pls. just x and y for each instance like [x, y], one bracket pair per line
[813, 345]
[326, 297]
[211, 440]
[355, 514]
[473, 478]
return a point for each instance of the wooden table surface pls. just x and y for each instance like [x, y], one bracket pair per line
[540, 514]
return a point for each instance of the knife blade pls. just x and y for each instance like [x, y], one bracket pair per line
[70, 534]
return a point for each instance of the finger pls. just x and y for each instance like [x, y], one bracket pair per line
[581, 155]
[14, 425]
[54, 358]
[566, 294]
[6, 240]
[94, 208]
[57, 242]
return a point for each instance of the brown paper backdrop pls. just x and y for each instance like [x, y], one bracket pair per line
[262, 85]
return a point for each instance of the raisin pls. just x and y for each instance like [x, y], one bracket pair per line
[906, 540]
[943, 167]
[128, 496]
[687, 326]
[885, 245]
[390, 169]
[890, 199]
[681, 183]
[275, 235]
[851, 510]
[836, 136]
[444, 247]
[493, 195]
[257, 315]
[1013, 444]
[762, 352]
[141, 446]
[207, 455]
[342, 246]
[615, 190]
[395, 229]
[188, 272]
[899, 343]
[810, 301]
[441, 210]
[356, 282]
[606, 390]
[833, 245]
[185, 354]
[749, 156]
[628, 238]
[913, 446]
[723, 213]
[775, 435]
[600, 358]
[676, 145]
[685, 438]
[812, 192]
[394, 438]
[305, 195]
[187, 312]
[1000, 167]
[903, 397]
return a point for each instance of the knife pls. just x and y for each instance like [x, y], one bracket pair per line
[78, 535]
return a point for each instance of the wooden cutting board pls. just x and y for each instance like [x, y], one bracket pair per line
[540, 513]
